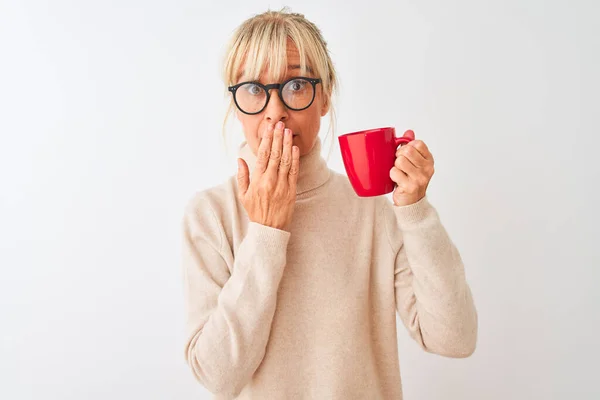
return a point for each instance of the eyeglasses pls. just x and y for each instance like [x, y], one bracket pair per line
[296, 93]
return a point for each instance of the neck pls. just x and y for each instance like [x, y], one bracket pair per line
[313, 170]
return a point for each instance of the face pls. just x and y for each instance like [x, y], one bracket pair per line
[304, 124]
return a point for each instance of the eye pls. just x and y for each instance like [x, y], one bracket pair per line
[297, 85]
[253, 89]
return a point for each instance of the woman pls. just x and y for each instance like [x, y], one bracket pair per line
[292, 281]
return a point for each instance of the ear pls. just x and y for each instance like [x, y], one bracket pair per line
[325, 104]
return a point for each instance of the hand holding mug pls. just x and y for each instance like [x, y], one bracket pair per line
[376, 165]
[412, 171]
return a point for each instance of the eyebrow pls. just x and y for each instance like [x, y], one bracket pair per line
[296, 66]
[290, 67]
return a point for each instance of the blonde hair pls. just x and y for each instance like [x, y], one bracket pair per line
[260, 42]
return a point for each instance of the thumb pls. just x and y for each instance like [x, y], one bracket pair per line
[243, 177]
[409, 134]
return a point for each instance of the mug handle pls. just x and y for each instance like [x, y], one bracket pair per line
[402, 140]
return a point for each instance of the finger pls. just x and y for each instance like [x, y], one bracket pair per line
[264, 151]
[243, 177]
[294, 169]
[286, 156]
[406, 166]
[409, 134]
[422, 148]
[399, 177]
[276, 150]
[413, 155]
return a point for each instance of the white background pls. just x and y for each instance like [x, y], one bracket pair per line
[110, 120]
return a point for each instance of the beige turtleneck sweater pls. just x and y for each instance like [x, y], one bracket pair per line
[311, 313]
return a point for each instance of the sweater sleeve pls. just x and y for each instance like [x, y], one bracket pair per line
[228, 312]
[433, 297]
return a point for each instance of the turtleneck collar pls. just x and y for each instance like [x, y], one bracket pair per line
[313, 172]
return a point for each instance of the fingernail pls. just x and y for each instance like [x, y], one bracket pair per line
[287, 132]
[279, 125]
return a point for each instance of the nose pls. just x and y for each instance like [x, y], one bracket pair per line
[275, 111]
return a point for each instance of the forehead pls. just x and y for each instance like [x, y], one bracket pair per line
[292, 53]
[290, 66]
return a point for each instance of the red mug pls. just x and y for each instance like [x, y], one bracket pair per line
[368, 158]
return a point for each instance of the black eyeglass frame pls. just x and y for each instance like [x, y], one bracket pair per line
[279, 86]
